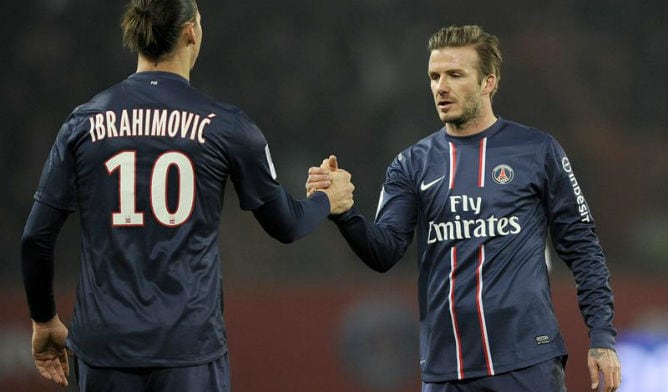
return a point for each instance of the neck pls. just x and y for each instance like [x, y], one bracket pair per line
[473, 126]
[174, 64]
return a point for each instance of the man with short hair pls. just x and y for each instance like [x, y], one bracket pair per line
[483, 193]
[145, 164]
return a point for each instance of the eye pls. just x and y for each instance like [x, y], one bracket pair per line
[434, 76]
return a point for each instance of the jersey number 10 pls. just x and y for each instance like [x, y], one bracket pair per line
[125, 162]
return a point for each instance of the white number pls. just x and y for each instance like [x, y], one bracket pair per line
[125, 162]
[159, 188]
[127, 215]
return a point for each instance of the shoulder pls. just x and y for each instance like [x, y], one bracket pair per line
[423, 146]
[226, 111]
[524, 138]
[529, 134]
[102, 100]
[409, 161]
[531, 141]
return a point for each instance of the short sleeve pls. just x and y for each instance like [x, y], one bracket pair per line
[57, 184]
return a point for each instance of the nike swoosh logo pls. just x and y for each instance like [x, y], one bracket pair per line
[424, 187]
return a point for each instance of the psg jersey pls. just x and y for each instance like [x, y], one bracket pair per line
[481, 208]
[145, 164]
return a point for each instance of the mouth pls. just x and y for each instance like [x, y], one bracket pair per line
[444, 105]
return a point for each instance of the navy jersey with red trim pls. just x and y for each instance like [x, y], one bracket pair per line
[482, 207]
[145, 164]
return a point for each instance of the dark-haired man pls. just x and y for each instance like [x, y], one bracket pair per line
[145, 164]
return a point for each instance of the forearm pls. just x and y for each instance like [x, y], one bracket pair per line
[288, 220]
[596, 302]
[585, 258]
[37, 259]
[378, 247]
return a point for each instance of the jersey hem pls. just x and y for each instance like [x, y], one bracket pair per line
[483, 372]
[145, 362]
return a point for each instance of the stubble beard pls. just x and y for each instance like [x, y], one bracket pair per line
[470, 112]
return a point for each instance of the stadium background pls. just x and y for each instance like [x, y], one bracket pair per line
[348, 77]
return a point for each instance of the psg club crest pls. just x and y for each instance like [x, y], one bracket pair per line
[503, 174]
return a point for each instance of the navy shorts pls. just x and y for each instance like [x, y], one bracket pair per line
[212, 376]
[546, 376]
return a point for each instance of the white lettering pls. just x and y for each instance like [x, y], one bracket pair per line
[159, 122]
[501, 226]
[91, 130]
[148, 122]
[481, 229]
[475, 204]
[583, 209]
[454, 201]
[173, 122]
[125, 124]
[200, 130]
[459, 228]
[137, 117]
[99, 126]
[111, 124]
[186, 119]
[466, 203]
[515, 223]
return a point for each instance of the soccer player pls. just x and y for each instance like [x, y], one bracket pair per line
[145, 163]
[483, 193]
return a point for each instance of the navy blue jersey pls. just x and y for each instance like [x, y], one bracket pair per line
[145, 164]
[482, 206]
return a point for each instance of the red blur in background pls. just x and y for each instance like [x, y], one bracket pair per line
[294, 338]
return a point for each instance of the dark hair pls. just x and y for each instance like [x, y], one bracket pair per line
[152, 27]
[485, 44]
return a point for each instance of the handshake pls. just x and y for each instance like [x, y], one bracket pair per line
[335, 182]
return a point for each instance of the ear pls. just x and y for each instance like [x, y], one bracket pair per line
[489, 84]
[189, 32]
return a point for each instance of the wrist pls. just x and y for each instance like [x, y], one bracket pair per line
[342, 217]
[53, 321]
[603, 338]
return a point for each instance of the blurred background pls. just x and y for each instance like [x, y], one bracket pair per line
[349, 77]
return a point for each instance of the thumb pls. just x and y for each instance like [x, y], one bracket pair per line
[333, 162]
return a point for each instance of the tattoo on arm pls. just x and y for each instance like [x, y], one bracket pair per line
[598, 353]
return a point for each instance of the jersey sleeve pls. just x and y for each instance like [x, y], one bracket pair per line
[253, 173]
[382, 243]
[288, 220]
[397, 204]
[574, 238]
[57, 184]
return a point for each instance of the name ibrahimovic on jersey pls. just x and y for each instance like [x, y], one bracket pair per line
[149, 122]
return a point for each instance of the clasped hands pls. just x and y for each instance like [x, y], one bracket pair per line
[333, 181]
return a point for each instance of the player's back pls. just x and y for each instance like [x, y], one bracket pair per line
[151, 157]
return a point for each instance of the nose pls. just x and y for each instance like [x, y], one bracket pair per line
[442, 86]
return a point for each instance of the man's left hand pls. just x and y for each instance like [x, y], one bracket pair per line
[604, 361]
